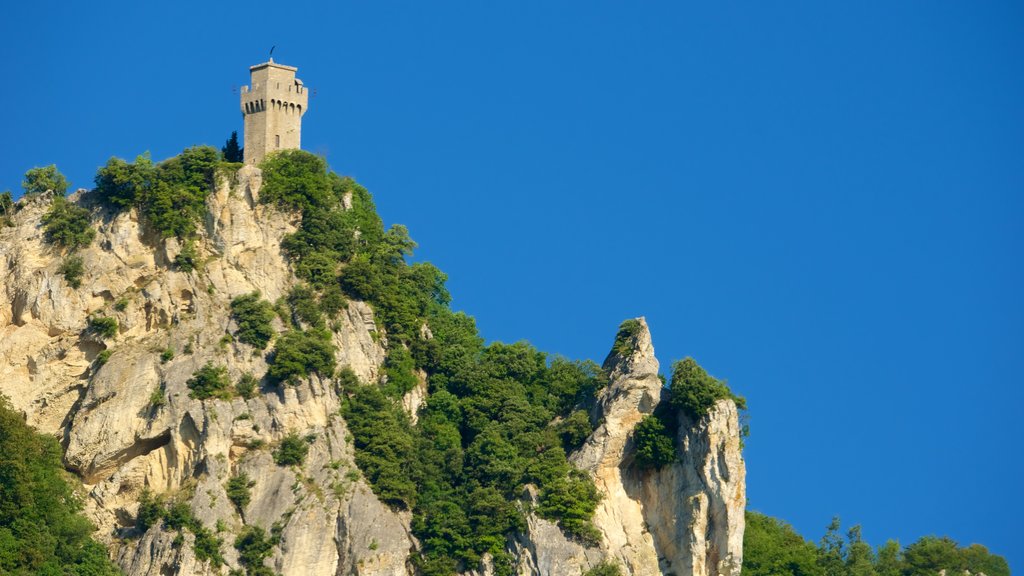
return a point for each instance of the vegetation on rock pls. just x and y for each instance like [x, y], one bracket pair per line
[695, 391]
[771, 547]
[67, 225]
[171, 195]
[177, 515]
[299, 353]
[254, 317]
[44, 179]
[292, 450]
[238, 490]
[232, 152]
[72, 268]
[103, 326]
[654, 443]
[210, 382]
[42, 530]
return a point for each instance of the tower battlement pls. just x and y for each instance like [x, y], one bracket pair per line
[272, 109]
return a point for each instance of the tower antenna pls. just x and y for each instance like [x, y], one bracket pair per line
[271, 57]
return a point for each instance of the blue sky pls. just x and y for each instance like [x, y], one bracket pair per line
[820, 201]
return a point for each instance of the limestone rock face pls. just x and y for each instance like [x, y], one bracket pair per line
[121, 407]
[128, 424]
[685, 518]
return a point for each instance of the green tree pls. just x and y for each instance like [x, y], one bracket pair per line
[695, 391]
[654, 443]
[890, 559]
[42, 530]
[860, 558]
[46, 178]
[254, 547]
[295, 180]
[254, 317]
[292, 450]
[104, 326]
[299, 353]
[832, 550]
[210, 381]
[231, 151]
[238, 490]
[72, 268]
[772, 548]
[6, 208]
[67, 225]
[171, 195]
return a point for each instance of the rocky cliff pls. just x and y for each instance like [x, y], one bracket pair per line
[121, 406]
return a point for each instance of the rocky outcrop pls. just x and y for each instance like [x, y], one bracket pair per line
[129, 424]
[121, 407]
[685, 518]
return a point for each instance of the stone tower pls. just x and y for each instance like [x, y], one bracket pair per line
[273, 109]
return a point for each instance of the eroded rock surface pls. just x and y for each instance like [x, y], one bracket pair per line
[122, 409]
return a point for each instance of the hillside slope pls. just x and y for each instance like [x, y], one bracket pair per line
[182, 481]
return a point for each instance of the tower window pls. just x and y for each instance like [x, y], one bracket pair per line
[277, 141]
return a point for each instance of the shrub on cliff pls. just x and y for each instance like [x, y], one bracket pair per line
[39, 180]
[292, 451]
[253, 316]
[67, 225]
[171, 195]
[299, 353]
[653, 442]
[695, 391]
[41, 528]
[210, 382]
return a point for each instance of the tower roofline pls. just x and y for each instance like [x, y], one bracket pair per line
[271, 64]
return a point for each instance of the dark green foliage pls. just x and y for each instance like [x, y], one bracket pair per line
[103, 356]
[571, 500]
[624, 338]
[346, 380]
[151, 511]
[295, 180]
[772, 548]
[292, 451]
[254, 546]
[605, 568]
[695, 391]
[72, 268]
[41, 528]
[188, 257]
[299, 353]
[103, 326]
[238, 490]
[254, 317]
[654, 442]
[6, 208]
[157, 399]
[166, 355]
[171, 195]
[247, 386]
[305, 310]
[574, 430]
[231, 151]
[210, 382]
[333, 301]
[178, 516]
[400, 368]
[488, 426]
[384, 444]
[67, 225]
[39, 180]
